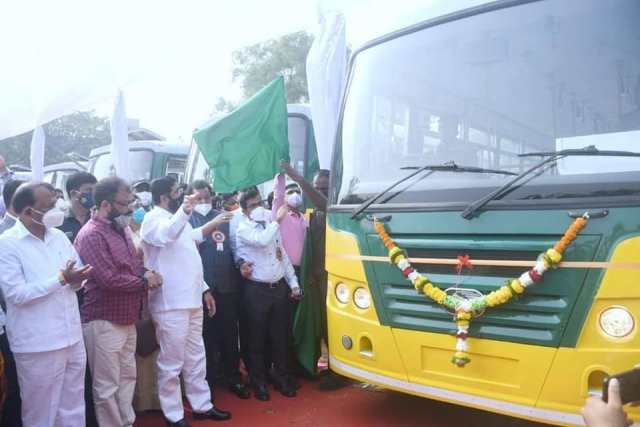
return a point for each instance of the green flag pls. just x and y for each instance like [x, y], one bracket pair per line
[307, 323]
[244, 148]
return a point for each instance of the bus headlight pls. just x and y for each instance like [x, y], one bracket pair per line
[616, 322]
[342, 293]
[362, 298]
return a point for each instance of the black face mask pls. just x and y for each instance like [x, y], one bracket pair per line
[174, 204]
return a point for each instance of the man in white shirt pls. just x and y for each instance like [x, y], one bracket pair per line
[39, 280]
[11, 409]
[169, 243]
[259, 244]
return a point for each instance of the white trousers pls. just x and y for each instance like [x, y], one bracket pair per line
[111, 350]
[52, 387]
[179, 334]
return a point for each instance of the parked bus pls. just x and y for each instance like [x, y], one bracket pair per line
[147, 160]
[58, 173]
[483, 133]
[302, 149]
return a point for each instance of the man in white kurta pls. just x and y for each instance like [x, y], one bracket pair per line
[170, 248]
[39, 280]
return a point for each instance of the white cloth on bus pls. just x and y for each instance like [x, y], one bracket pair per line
[179, 334]
[111, 351]
[52, 386]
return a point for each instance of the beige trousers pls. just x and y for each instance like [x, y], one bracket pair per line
[112, 360]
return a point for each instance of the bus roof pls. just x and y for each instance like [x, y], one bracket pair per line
[401, 18]
[65, 166]
[156, 146]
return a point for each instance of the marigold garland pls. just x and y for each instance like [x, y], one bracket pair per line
[466, 309]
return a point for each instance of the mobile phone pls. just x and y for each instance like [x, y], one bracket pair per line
[629, 386]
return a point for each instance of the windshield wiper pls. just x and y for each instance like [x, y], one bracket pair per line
[551, 156]
[445, 167]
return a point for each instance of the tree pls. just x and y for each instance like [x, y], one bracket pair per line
[257, 65]
[76, 133]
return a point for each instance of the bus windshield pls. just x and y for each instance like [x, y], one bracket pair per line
[140, 165]
[480, 90]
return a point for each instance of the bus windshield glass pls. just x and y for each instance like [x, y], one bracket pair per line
[481, 90]
[140, 165]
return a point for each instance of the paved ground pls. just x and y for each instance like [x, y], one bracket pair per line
[354, 405]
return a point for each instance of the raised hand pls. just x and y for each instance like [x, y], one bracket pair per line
[222, 218]
[290, 170]
[75, 276]
[189, 202]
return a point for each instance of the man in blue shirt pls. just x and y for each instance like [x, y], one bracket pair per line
[220, 333]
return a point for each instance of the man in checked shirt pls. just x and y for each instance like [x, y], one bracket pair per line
[113, 299]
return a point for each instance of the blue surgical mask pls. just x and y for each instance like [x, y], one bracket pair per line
[86, 200]
[138, 215]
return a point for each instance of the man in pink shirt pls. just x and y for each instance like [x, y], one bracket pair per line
[293, 226]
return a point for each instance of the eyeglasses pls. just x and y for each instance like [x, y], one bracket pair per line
[293, 190]
[261, 203]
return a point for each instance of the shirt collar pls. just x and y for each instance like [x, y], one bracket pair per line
[20, 231]
[8, 215]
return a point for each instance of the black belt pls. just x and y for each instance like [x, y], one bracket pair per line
[268, 285]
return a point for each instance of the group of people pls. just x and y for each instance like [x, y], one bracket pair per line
[122, 275]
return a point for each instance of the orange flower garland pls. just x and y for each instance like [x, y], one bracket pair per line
[466, 309]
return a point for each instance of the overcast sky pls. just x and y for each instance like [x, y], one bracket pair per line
[172, 58]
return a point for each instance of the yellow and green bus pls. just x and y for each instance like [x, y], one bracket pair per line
[484, 131]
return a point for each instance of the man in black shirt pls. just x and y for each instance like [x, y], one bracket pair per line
[220, 333]
[79, 188]
[80, 192]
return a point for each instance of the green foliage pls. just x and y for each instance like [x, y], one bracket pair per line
[78, 132]
[257, 65]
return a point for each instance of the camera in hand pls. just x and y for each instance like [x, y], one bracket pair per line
[629, 386]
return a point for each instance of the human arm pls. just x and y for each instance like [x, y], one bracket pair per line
[290, 275]
[159, 232]
[18, 291]
[213, 225]
[278, 195]
[210, 303]
[317, 198]
[252, 235]
[597, 413]
[94, 250]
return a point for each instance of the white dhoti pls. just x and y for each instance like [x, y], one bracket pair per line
[179, 334]
[52, 386]
[111, 350]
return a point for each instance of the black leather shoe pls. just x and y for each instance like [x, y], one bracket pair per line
[181, 423]
[240, 390]
[261, 393]
[213, 414]
[286, 390]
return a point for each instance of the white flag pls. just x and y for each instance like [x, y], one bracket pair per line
[37, 154]
[326, 67]
[119, 138]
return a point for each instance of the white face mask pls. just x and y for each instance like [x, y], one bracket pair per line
[203, 208]
[260, 214]
[62, 204]
[52, 218]
[294, 200]
[145, 198]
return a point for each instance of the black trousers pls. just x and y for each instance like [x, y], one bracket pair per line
[267, 309]
[220, 335]
[11, 412]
